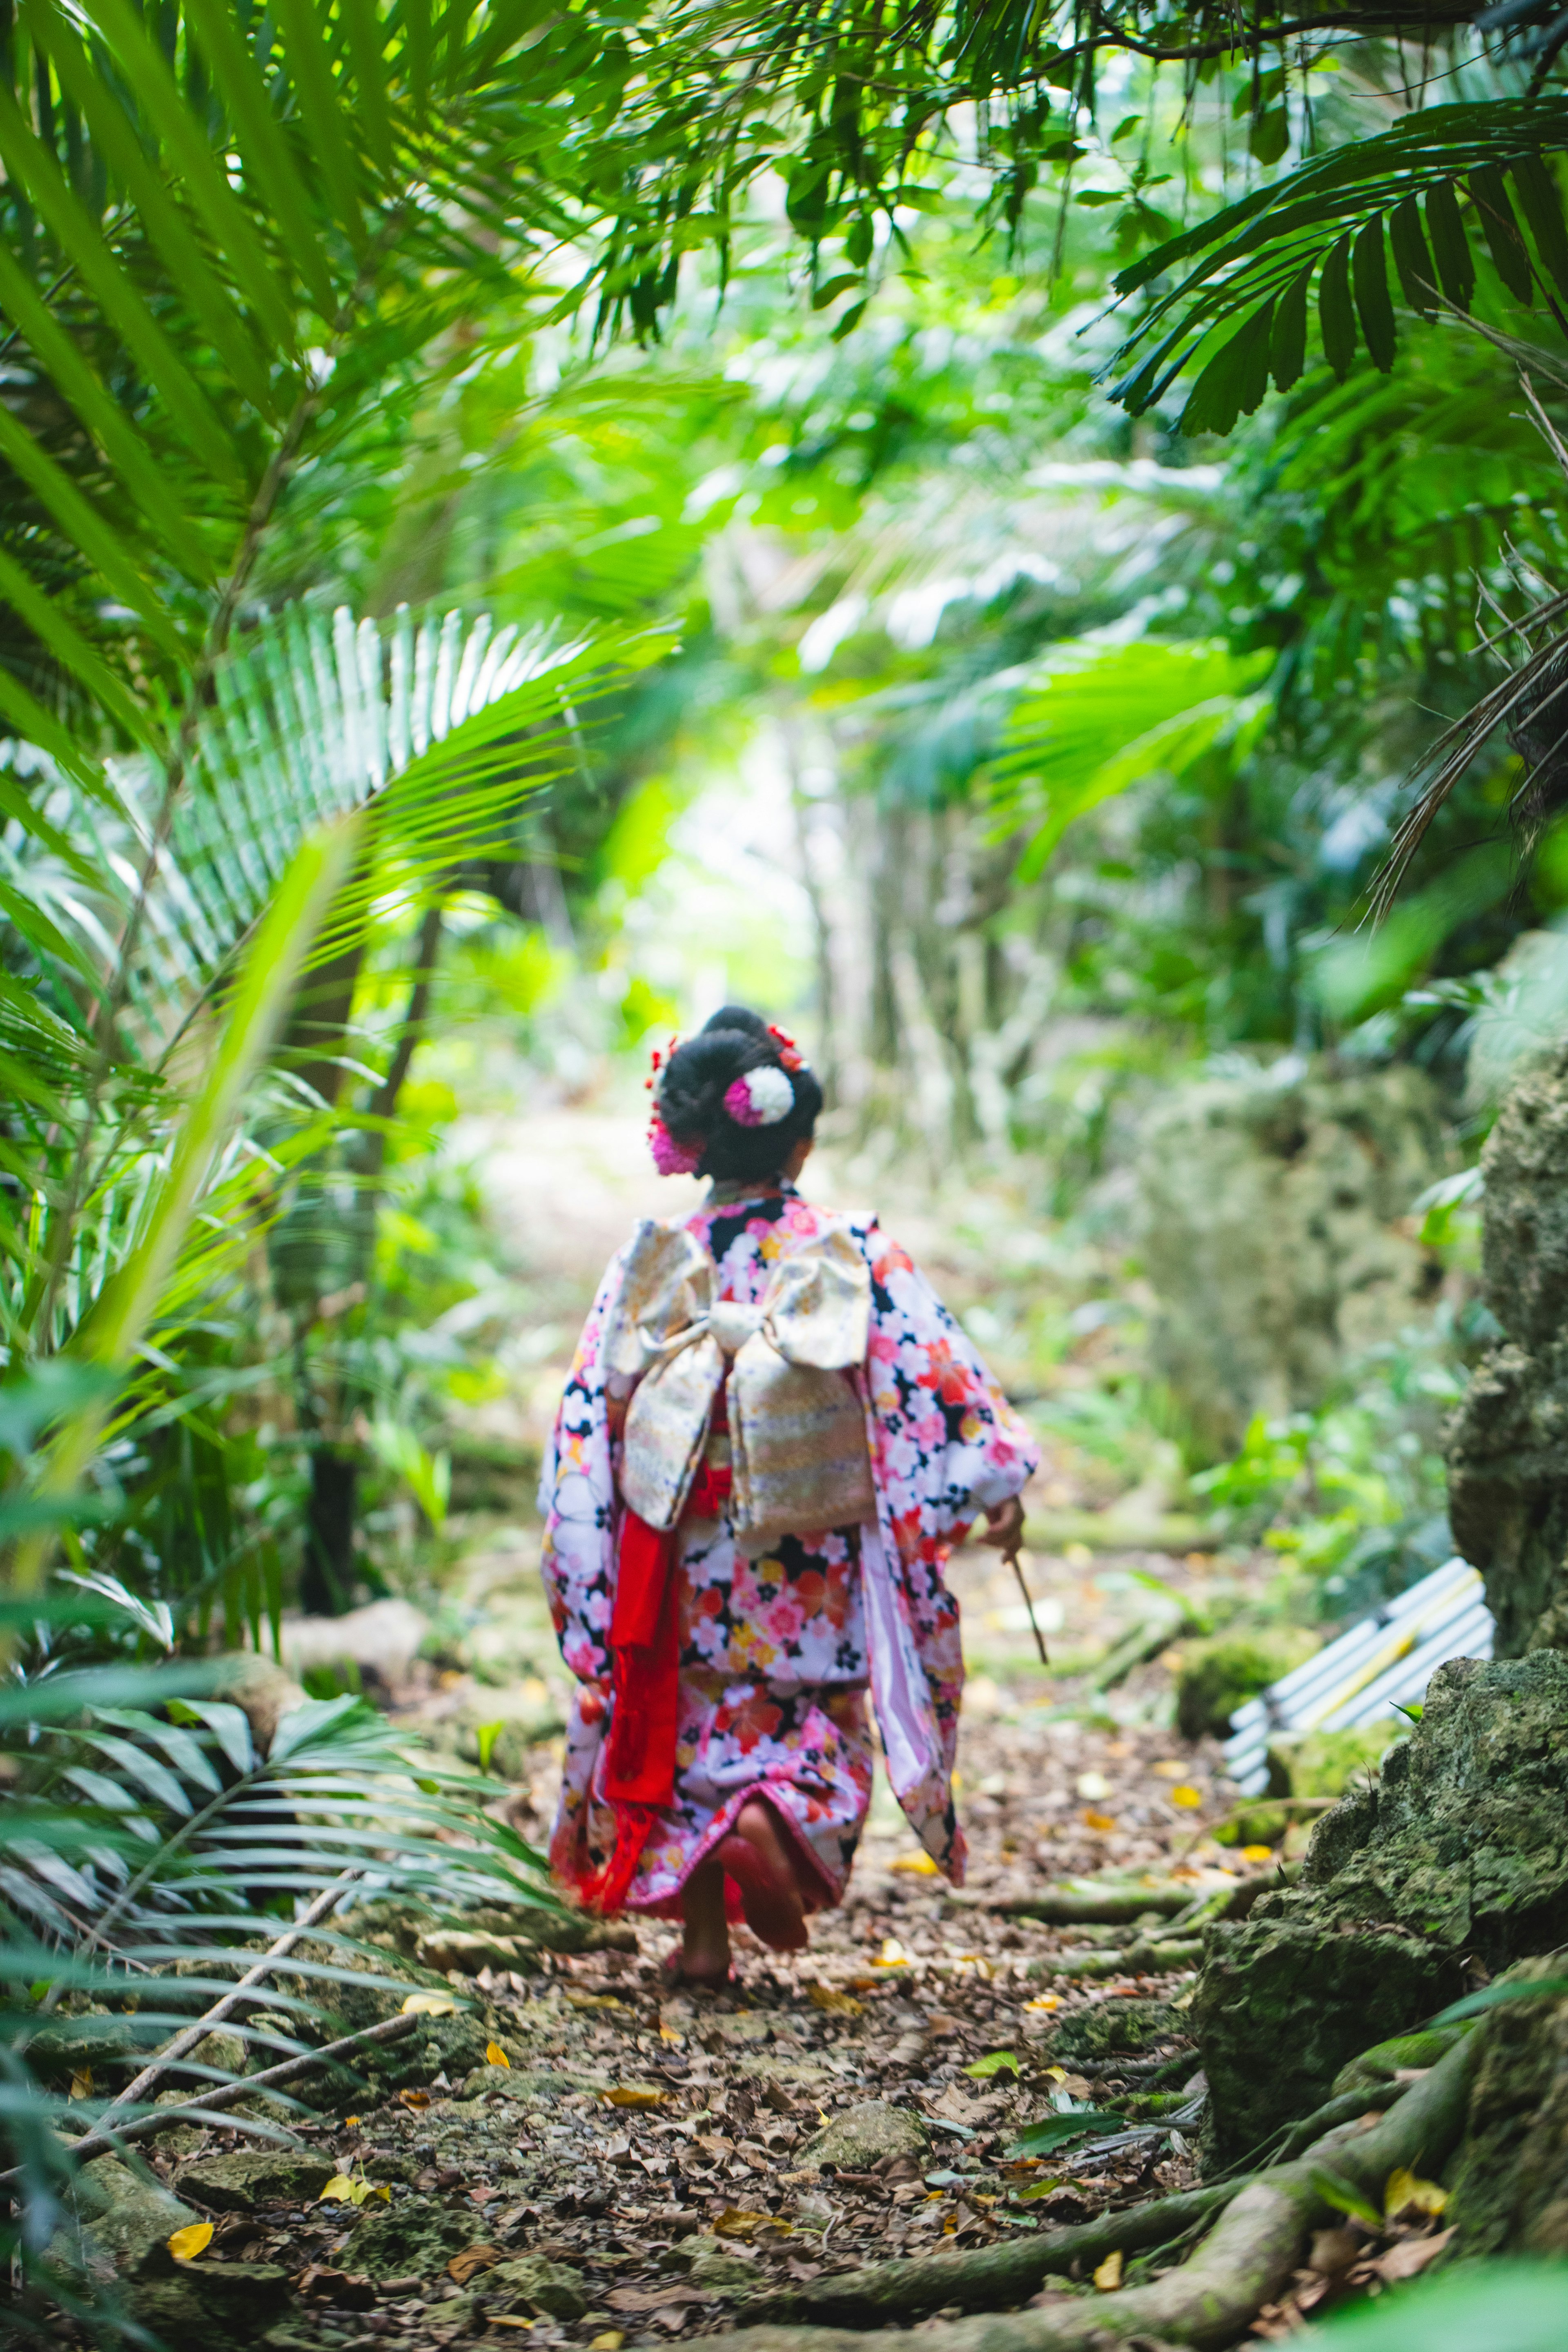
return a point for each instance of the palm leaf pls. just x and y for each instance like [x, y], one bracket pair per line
[1405, 187]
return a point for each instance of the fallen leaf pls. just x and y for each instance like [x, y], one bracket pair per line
[1045, 2000]
[415, 2098]
[1092, 1821]
[346, 2289]
[837, 2004]
[1040, 2189]
[1409, 2256]
[1258, 1854]
[506, 2319]
[1404, 2193]
[1108, 2273]
[668, 2034]
[81, 2084]
[1054, 2131]
[597, 2001]
[344, 2190]
[996, 2062]
[351, 2123]
[496, 2056]
[1169, 1768]
[635, 2094]
[919, 1864]
[892, 1955]
[429, 2004]
[1190, 1800]
[187, 2244]
[736, 2222]
[611, 2341]
[471, 2261]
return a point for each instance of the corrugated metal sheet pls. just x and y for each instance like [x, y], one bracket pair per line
[1388, 1659]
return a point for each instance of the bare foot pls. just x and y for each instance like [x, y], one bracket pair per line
[705, 1952]
[762, 1865]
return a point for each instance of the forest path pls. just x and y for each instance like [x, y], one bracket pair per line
[657, 2150]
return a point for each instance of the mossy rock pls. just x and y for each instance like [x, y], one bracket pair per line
[1324, 1763]
[238, 2183]
[1114, 2029]
[219, 2306]
[1220, 1674]
[65, 2045]
[531, 2284]
[414, 2237]
[1458, 1851]
[1508, 2181]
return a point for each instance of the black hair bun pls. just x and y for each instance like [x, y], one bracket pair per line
[699, 1074]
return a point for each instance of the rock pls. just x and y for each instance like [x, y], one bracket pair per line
[1218, 1675]
[1508, 2187]
[531, 2284]
[718, 2268]
[383, 1640]
[529, 2085]
[59, 2048]
[446, 1948]
[262, 1690]
[509, 1933]
[1110, 2029]
[1508, 1443]
[1324, 1763]
[122, 2223]
[862, 2136]
[218, 2306]
[411, 2238]
[253, 2177]
[1274, 1223]
[1458, 1851]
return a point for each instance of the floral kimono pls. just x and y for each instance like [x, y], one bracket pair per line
[771, 1645]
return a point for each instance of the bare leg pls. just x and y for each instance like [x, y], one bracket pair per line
[759, 1859]
[705, 1954]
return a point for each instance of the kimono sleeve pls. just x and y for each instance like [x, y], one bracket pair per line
[948, 1444]
[577, 1499]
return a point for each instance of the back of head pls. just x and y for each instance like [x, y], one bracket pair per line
[735, 1099]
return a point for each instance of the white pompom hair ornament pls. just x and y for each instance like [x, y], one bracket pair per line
[760, 1099]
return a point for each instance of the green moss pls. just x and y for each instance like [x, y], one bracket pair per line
[1324, 1763]
[1216, 1677]
[1114, 2029]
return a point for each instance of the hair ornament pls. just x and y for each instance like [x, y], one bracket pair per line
[760, 1097]
[790, 1054]
[670, 1158]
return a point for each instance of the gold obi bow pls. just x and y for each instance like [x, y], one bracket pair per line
[797, 1431]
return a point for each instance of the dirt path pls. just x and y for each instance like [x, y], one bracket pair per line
[648, 2162]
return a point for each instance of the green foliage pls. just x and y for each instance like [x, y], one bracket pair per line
[1484, 2307]
[1325, 223]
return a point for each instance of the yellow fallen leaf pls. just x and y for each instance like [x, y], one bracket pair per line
[1190, 1800]
[1108, 2277]
[81, 2084]
[892, 1955]
[415, 2098]
[739, 2222]
[507, 2319]
[635, 2094]
[919, 1864]
[349, 2122]
[339, 2190]
[496, 2056]
[471, 2261]
[1405, 2192]
[187, 2244]
[1093, 1820]
[1057, 2074]
[611, 2341]
[668, 2034]
[837, 2004]
[429, 2004]
[1169, 1768]
[1045, 2000]
[1258, 1854]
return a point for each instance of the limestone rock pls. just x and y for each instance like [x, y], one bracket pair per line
[1111, 2028]
[1458, 1851]
[122, 2223]
[1325, 1763]
[219, 2306]
[60, 2047]
[1510, 2184]
[253, 2177]
[1508, 1446]
[1274, 1225]
[862, 2136]
[531, 2285]
[412, 2237]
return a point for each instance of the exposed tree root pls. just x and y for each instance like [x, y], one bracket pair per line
[1245, 2260]
[996, 2276]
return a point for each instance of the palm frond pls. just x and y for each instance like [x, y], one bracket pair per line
[1426, 192]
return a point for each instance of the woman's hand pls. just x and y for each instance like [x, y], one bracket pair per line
[1004, 1527]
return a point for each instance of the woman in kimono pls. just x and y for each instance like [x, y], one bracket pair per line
[772, 1437]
